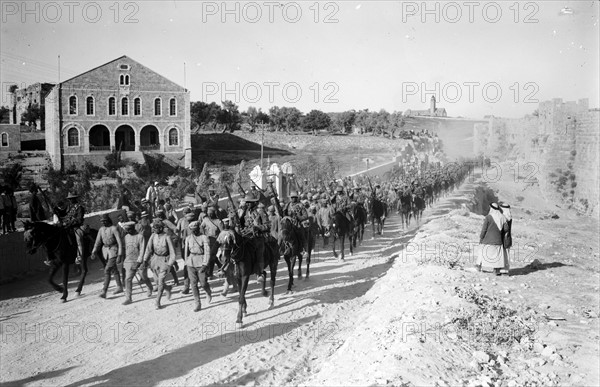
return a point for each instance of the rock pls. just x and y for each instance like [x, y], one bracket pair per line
[570, 311]
[554, 216]
[481, 356]
[475, 365]
[548, 351]
[506, 291]
[503, 353]
[538, 347]
[555, 356]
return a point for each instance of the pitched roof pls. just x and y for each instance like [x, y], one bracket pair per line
[118, 59]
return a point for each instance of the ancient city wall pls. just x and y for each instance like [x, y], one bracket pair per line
[561, 141]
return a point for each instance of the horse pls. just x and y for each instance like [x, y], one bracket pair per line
[378, 213]
[405, 209]
[419, 207]
[360, 220]
[341, 227]
[61, 250]
[243, 256]
[291, 249]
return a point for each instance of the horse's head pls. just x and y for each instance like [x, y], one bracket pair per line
[31, 236]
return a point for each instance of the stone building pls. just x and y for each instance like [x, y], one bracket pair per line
[10, 138]
[120, 105]
[22, 99]
[433, 111]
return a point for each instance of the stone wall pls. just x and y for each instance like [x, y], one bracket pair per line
[560, 142]
[12, 134]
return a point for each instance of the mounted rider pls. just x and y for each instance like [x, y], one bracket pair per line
[297, 212]
[71, 218]
[255, 222]
[342, 205]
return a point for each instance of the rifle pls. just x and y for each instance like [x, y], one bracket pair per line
[373, 194]
[236, 216]
[240, 187]
[276, 198]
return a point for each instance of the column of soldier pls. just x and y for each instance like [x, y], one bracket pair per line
[204, 235]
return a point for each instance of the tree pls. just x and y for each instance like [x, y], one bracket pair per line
[229, 117]
[255, 118]
[364, 120]
[204, 115]
[276, 118]
[12, 176]
[315, 120]
[4, 115]
[32, 114]
[292, 117]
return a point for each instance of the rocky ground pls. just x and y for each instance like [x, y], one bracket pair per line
[406, 309]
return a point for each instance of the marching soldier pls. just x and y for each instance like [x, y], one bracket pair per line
[211, 226]
[134, 255]
[160, 255]
[109, 240]
[226, 239]
[197, 256]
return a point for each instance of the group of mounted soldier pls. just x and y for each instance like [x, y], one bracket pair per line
[208, 234]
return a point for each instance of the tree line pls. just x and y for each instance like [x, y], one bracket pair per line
[227, 118]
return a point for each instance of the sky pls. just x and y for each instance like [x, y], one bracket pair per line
[477, 58]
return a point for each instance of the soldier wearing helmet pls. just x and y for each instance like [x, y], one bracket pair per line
[342, 203]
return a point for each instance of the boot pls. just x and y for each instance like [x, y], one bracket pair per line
[118, 290]
[208, 296]
[160, 292]
[127, 301]
[198, 307]
[186, 286]
[168, 291]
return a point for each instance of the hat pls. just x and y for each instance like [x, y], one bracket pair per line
[144, 214]
[504, 205]
[250, 198]
[494, 206]
[128, 225]
[261, 205]
[294, 194]
[194, 225]
[72, 195]
[157, 223]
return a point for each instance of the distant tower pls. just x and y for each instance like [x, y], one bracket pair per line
[432, 106]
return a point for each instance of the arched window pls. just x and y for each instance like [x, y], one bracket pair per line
[124, 106]
[89, 106]
[173, 137]
[121, 79]
[73, 104]
[172, 107]
[4, 141]
[73, 137]
[137, 106]
[127, 79]
[112, 109]
[157, 107]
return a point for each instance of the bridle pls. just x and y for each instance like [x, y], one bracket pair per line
[43, 243]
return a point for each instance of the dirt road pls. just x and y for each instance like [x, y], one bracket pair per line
[374, 319]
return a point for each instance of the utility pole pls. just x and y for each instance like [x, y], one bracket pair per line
[262, 145]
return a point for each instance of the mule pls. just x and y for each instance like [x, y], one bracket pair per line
[61, 251]
[341, 228]
[360, 220]
[243, 256]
